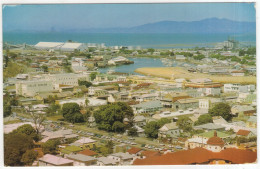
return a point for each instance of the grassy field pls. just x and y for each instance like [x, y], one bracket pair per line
[178, 72]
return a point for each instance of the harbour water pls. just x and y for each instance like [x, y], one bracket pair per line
[123, 39]
[142, 62]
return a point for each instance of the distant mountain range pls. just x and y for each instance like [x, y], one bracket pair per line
[210, 25]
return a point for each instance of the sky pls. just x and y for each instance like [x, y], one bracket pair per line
[83, 16]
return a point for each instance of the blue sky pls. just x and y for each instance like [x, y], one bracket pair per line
[80, 16]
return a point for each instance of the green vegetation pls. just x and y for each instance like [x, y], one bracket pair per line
[199, 57]
[110, 117]
[203, 119]
[29, 157]
[15, 146]
[28, 130]
[184, 123]
[221, 109]
[151, 128]
[84, 83]
[71, 113]
[44, 68]
[245, 60]
[50, 146]
[106, 149]
[53, 109]
[249, 51]
[8, 103]
[132, 132]
[12, 69]
[93, 75]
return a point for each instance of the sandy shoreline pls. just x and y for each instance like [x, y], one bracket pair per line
[178, 72]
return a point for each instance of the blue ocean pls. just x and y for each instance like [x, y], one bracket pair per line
[137, 39]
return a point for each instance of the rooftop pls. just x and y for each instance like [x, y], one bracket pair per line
[80, 157]
[52, 159]
[199, 156]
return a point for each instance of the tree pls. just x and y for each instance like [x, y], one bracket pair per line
[132, 132]
[15, 145]
[184, 123]
[38, 120]
[118, 127]
[107, 115]
[163, 121]
[29, 157]
[52, 109]
[151, 129]
[150, 50]
[203, 119]
[14, 102]
[50, 147]
[28, 130]
[45, 68]
[87, 115]
[84, 83]
[7, 110]
[71, 113]
[51, 99]
[221, 109]
[86, 102]
[93, 75]
[110, 146]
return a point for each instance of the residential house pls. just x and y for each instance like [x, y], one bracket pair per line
[135, 150]
[52, 160]
[169, 130]
[245, 133]
[122, 158]
[88, 152]
[82, 160]
[139, 121]
[85, 142]
[140, 131]
[243, 109]
[252, 122]
[105, 161]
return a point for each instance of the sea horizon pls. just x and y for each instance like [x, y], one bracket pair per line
[144, 40]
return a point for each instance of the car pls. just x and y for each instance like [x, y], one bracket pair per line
[133, 143]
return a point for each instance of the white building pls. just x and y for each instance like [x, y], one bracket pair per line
[30, 88]
[48, 45]
[67, 47]
[66, 79]
[71, 47]
[238, 88]
[81, 101]
[180, 57]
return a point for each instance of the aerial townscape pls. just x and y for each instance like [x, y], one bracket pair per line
[71, 103]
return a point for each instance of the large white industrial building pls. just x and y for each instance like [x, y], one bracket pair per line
[66, 47]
